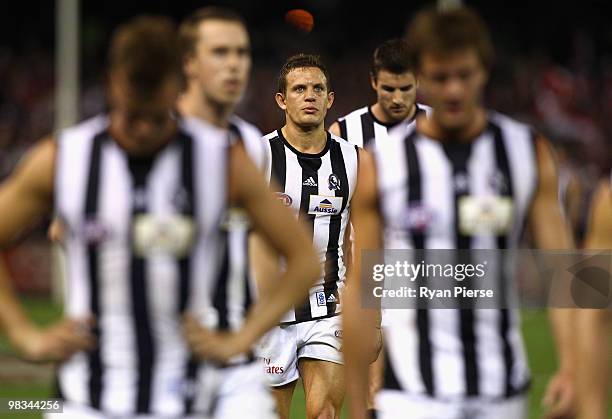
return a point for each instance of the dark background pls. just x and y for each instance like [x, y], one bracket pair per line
[553, 67]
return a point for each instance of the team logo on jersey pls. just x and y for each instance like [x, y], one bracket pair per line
[94, 231]
[338, 333]
[418, 217]
[309, 182]
[285, 199]
[181, 201]
[320, 296]
[461, 183]
[499, 183]
[333, 183]
[325, 205]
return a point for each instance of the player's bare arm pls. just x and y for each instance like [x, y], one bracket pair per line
[361, 343]
[25, 198]
[551, 231]
[594, 326]
[278, 228]
[335, 129]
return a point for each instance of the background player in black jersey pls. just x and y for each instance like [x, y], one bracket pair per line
[393, 79]
[140, 127]
[452, 51]
[314, 173]
[594, 327]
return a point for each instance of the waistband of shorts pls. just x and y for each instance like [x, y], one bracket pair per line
[327, 316]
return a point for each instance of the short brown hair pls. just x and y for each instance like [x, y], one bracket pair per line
[301, 61]
[188, 30]
[145, 50]
[392, 56]
[443, 31]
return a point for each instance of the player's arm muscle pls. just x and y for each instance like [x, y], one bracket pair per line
[281, 230]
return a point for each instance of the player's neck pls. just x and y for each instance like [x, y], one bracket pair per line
[192, 104]
[432, 128]
[309, 141]
[384, 118]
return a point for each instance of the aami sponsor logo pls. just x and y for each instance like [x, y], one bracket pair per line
[272, 369]
[325, 207]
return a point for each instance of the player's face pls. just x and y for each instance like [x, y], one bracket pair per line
[396, 94]
[307, 99]
[142, 126]
[221, 62]
[453, 85]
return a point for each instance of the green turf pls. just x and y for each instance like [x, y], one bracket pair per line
[540, 348]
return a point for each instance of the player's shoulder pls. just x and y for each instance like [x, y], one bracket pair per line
[84, 129]
[271, 135]
[508, 123]
[421, 107]
[203, 131]
[248, 131]
[345, 145]
[354, 114]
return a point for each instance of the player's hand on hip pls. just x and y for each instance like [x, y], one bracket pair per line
[560, 397]
[56, 342]
[211, 345]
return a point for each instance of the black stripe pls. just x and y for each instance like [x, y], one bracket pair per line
[332, 266]
[367, 128]
[279, 165]
[343, 131]
[221, 284]
[140, 169]
[414, 186]
[390, 380]
[310, 168]
[458, 154]
[415, 198]
[186, 203]
[248, 295]
[96, 369]
[507, 189]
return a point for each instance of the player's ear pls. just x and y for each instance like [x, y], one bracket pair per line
[280, 100]
[190, 66]
[330, 99]
[373, 80]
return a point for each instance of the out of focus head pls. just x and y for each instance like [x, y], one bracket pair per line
[393, 79]
[144, 82]
[452, 51]
[216, 53]
[304, 90]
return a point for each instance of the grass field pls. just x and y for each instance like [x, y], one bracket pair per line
[34, 382]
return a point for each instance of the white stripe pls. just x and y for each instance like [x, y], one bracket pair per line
[438, 195]
[162, 275]
[380, 134]
[392, 169]
[446, 350]
[118, 349]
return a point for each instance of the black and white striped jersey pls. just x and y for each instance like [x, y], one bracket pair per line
[361, 127]
[144, 246]
[318, 188]
[426, 188]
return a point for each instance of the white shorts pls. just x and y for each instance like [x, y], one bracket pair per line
[282, 347]
[393, 404]
[223, 393]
